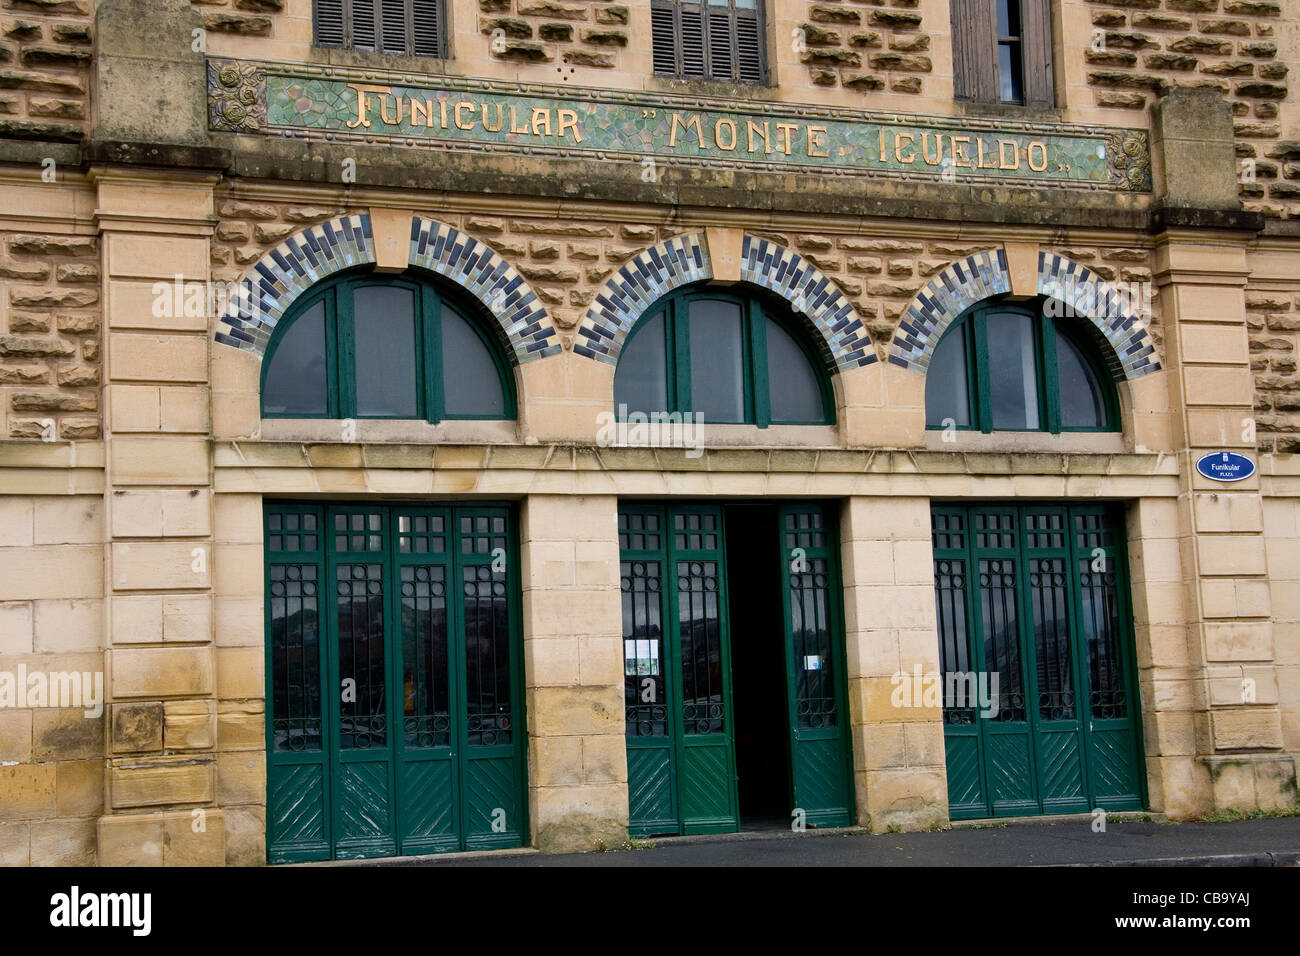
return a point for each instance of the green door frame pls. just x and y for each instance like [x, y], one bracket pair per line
[439, 811]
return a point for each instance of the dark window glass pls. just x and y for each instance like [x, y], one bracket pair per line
[1008, 367]
[295, 656]
[363, 724]
[700, 630]
[375, 353]
[641, 380]
[997, 595]
[791, 380]
[487, 657]
[1009, 52]
[297, 382]
[471, 384]
[384, 344]
[1082, 405]
[1013, 374]
[717, 361]
[426, 715]
[707, 354]
[947, 391]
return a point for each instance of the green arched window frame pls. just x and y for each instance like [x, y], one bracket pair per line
[973, 328]
[429, 297]
[754, 310]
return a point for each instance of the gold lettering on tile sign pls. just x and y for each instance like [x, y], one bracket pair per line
[464, 114]
[902, 149]
[764, 137]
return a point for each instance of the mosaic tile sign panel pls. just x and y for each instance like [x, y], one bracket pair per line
[337, 104]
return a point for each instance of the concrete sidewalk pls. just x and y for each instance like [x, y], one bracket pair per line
[1267, 842]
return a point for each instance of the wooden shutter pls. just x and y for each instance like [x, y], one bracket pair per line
[1036, 22]
[721, 44]
[749, 46]
[393, 22]
[663, 38]
[698, 40]
[974, 50]
[363, 25]
[690, 38]
[427, 27]
[328, 15]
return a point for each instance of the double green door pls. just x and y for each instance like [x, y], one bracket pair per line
[678, 586]
[393, 720]
[1037, 597]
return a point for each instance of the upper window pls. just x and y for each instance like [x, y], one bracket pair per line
[1002, 51]
[371, 346]
[708, 40]
[728, 358]
[411, 27]
[1011, 368]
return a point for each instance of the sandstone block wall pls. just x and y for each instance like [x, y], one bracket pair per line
[45, 57]
[50, 344]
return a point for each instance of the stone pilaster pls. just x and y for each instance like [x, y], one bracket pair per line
[573, 672]
[1232, 687]
[163, 780]
[891, 634]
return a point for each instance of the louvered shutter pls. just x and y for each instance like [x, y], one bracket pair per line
[363, 25]
[974, 50]
[393, 25]
[690, 38]
[663, 37]
[328, 16]
[749, 46]
[1036, 20]
[715, 41]
[721, 44]
[427, 22]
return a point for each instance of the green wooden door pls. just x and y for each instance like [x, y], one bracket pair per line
[819, 748]
[677, 678]
[702, 659]
[393, 715]
[1037, 595]
[677, 668]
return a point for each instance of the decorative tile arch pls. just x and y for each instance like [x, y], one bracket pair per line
[267, 291]
[1129, 352]
[630, 291]
[523, 324]
[684, 259]
[811, 293]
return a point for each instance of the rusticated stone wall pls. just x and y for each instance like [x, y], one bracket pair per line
[1273, 318]
[1140, 48]
[866, 48]
[50, 346]
[588, 34]
[45, 57]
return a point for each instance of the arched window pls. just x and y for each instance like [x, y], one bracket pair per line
[377, 346]
[727, 357]
[1011, 367]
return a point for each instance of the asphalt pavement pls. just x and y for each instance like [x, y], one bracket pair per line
[1263, 842]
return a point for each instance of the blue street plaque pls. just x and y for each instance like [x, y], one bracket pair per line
[1225, 466]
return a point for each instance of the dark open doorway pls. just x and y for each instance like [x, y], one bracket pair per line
[758, 668]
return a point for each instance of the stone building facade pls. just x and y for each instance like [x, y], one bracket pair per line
[144, 489]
